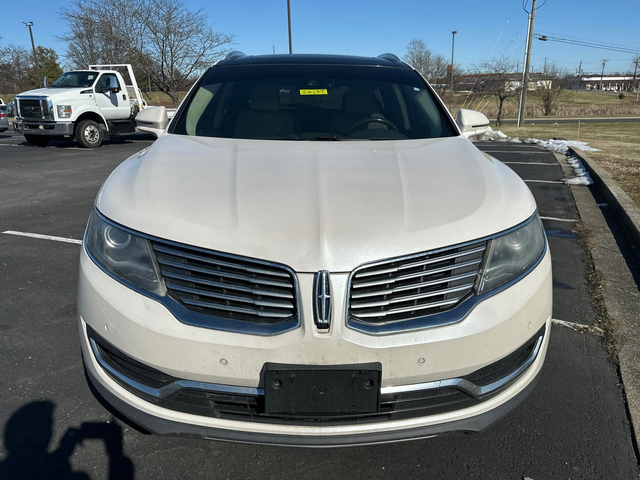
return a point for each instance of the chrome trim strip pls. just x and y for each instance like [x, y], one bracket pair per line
[170, 389]
[408, 276]
[210, 261]
[234, 276]
[424, 306]
[228, 286]
[189, 317]
[465, 385]
[417, 296]
[457, 383]
[234, 298]
[389, 291]
[449, 317]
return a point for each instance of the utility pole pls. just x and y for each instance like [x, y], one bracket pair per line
[636, 61]
[604, 62]
[453, 42]
[289, 18]
[579, 75]
[33, 46]
[527, 61]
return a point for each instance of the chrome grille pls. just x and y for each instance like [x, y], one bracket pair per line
[226, 286]
[33, 108]
[416, 286]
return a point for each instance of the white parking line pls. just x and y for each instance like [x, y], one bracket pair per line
[544, 181]
[532, 163]
[578, 327]
[44, 237]
[556, 219]
[520, 152]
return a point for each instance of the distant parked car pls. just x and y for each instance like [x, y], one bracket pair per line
[4, 120]
[10, 107]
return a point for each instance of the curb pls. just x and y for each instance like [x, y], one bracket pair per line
[622, 207]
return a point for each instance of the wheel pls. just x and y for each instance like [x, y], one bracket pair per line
[135, 109]
[37, 140]
[88, 134]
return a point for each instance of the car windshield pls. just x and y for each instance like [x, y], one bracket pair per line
[75, 80]
[312, 102]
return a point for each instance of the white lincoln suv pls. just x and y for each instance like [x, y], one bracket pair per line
[313, 253]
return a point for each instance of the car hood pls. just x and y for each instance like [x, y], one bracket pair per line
[53, 92]
[315, 205]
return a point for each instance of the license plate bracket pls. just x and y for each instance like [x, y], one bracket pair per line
[307, 390]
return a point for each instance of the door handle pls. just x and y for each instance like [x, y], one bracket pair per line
[124, 97]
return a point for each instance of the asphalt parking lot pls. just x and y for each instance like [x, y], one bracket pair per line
[573, 426]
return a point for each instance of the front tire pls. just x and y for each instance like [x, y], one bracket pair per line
[37, 140]
[88, 134]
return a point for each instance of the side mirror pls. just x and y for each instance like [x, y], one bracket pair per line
[113, 85]
[472, 123]
[153, 120]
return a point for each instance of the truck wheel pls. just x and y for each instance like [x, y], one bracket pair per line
[88, 134]
[37, 140]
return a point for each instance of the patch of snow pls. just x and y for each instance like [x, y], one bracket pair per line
[582, 175]
[492, 135]
[561, 146]
[579, 181]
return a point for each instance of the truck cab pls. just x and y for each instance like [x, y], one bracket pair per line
[88, 105]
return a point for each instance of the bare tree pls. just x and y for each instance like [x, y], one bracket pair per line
[168, 43]
[496, 78]
[419, 57]
[432, 66]
[15, 64]
[550, 91]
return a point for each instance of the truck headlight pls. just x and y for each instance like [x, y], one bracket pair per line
[511, 256]
[64, 111]
[123, 254]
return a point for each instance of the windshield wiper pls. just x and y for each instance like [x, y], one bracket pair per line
[326, 138]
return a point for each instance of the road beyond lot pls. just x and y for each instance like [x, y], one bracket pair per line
[573, 426]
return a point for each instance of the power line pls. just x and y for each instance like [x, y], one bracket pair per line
[568, 41]
[503, 29]
[514, 37]
[563, 35]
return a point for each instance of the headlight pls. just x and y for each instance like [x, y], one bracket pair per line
[64, 111]
[125, 255]
[511, 255]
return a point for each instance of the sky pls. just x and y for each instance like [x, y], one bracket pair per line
[354, 27]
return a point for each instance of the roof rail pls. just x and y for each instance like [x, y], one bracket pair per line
[390, 56]
[235, 54]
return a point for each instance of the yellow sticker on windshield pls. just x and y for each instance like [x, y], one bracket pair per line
[317, 91]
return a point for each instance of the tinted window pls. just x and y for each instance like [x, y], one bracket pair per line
[306, 102]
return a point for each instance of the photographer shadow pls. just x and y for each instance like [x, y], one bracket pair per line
[26, 442]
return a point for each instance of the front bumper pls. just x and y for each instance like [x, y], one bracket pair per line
[167, 426]
[147, 332]
[55, 129]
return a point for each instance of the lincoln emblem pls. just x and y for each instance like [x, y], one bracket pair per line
[322, 303]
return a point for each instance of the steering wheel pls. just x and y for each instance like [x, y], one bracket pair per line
[368, 120]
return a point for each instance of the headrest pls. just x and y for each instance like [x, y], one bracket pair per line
[264, 97]
[360, 101]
